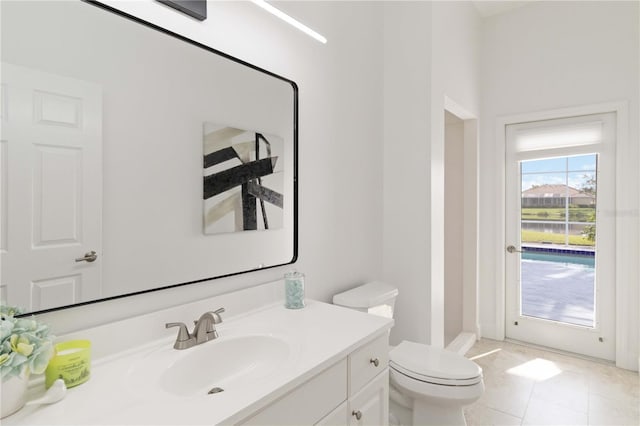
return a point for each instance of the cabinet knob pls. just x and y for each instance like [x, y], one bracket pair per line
[357, 414]
[375, 361]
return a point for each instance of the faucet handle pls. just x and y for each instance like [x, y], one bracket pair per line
[217, 319]
[183, 333]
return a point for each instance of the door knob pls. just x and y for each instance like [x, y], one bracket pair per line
[88, 257]
[357, 414]
[513, 249]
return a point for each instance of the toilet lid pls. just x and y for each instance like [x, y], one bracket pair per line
[434, 365]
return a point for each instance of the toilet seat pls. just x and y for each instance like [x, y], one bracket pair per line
[434, 365]
[441, 395]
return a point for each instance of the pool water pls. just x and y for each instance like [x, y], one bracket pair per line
[558, 287]
[560, 258]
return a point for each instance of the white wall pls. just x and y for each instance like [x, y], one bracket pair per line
[430, 53]
[407, 69]
[456, 63]
[340, 142]
[552, 55]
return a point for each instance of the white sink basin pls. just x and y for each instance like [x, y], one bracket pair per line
[226, 363]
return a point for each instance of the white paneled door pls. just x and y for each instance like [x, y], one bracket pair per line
[51, 182]
[560, 229]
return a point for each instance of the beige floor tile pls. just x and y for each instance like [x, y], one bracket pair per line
[613, 412]
[541, 412]
[548, 388]
[526, 351]
[507, 393]
[481, 415]
[614, 383]
[567, 389]
[571, 363]
[483, 345]
[502, 360]
[484, 350]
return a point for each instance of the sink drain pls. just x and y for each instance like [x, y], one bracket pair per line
[215, 390]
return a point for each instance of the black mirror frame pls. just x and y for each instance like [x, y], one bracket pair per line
[295, 160]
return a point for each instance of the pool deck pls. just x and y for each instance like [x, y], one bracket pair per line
[558, 291]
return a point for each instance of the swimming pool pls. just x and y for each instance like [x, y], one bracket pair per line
[560, 258]
[558, 287]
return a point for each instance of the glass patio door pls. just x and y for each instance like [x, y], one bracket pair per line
[560, 244]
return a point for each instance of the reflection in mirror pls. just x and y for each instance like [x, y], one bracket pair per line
[240, 167]
[106, 121]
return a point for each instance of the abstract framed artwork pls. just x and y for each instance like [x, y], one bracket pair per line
[243, 182]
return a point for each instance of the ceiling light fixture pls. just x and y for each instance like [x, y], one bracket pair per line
[289, 20]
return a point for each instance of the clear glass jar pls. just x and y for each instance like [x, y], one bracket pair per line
[294, 290]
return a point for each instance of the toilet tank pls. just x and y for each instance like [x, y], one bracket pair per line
[375, 297]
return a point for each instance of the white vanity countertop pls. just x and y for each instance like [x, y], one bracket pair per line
[322, 334]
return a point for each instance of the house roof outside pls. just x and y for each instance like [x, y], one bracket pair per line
[554, 191]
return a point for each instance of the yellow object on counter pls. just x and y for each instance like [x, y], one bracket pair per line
[71, 363]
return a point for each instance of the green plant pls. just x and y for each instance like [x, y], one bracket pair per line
[589, 231]
[25, 344]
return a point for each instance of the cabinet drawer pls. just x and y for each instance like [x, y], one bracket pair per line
[362, 362]
[370, 406]
[338, 417]
[309, 402]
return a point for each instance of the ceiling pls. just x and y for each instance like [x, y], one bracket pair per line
[490, 8]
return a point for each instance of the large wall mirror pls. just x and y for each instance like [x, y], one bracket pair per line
[133, 159]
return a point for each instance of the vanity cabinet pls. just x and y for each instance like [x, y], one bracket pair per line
[308, 402]
[368, 407]
[339, 416]
[371, 403]
[331, 369]
[367, 362]
[353, 391]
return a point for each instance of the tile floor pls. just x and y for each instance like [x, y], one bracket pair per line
[530, 386]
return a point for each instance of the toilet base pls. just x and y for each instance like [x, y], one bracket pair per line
[399, 415]
[431, 414]
[409, 410]
[429, 403]
[425, 414]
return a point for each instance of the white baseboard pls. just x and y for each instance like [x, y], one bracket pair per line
[462, 343]
[490, 331]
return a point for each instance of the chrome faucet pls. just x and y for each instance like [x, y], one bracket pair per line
[204, 330]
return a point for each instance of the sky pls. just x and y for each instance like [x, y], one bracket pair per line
[558, 170]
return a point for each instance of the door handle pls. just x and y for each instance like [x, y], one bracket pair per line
[88, 257]
[513, 249]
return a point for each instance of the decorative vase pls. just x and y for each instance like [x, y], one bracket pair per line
[294, 290]
[13, 392]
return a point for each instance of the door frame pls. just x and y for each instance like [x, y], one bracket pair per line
[470, 279]
[597, 340]
[627, 230]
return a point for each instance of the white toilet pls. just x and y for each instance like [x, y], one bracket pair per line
[428, 385]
